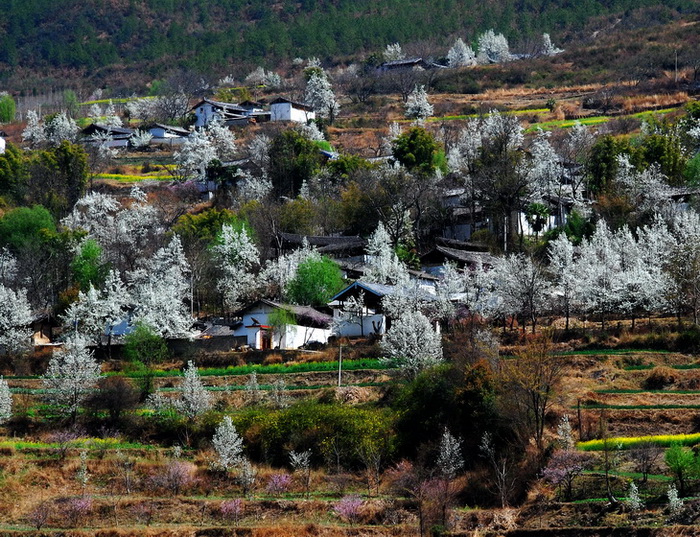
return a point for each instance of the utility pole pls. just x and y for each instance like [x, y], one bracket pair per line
[340, 364]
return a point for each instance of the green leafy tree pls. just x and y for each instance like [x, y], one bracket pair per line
[684, 465]
[87, 266]
[25, 226]
[144, 345]
[279, 320]
[7, 108]
[293, 160]
[316, 281]
[58, 177]
[416, 149]
[13, 173]
[603, 164]
[666, 150]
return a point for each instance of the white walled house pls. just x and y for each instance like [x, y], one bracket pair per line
[207, 111]
[2, 145]
[306, 325]
[282, 109]
[370, 320]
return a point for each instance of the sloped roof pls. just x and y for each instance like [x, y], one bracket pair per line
[229, 107]
[305, 315]
[295, 104]
[169, 128]
[99, 127]
[461, 257]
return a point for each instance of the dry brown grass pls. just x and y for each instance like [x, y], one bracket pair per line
[639, 103]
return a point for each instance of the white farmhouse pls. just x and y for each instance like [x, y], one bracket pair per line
[304, 325]
[207, 111]
[282, 109]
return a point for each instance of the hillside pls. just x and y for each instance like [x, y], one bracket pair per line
[124, 40]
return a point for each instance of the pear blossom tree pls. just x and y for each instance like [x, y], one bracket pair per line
[523, 287]
[412, 343]
[647, 190]
[194, 156]
[59, 128]
[493, 48]
[111, 119]
[33, 133]
[96, 312]
[320, 96]
[599, 284]
[125, 231]
[562, 266]
[236, 256]
[460, 55]
[5, 401]
[548, 49]
[195, 399]
[417, 105]
[450, 460]
[228, 445]
[72, 375]
[140, 139]
[52, 132]
[383, 266]
[393, 52]
[8, 266]
[15, 319]
[546, 173]
[463, 160]
[159, 289]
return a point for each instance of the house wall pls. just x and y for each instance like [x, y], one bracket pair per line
[286, 112]
[156, 140]
[294, 336]
[369, 323]
[204, 114]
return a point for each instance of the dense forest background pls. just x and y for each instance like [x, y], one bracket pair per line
[99, 37]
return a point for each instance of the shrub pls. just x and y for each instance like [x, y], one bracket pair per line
[278, 484]
[75, 509]
[659, 378]
[232, 510]
[348, 508]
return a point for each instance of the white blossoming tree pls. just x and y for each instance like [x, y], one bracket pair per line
[320, 96]
[5, 401]
[493, 48]
[96, 312]
[72, 374]
[393, 52]
[417, 105]
[195, 399]
[15, 318]
[450, 460]
[412, 343]
[236, 256]
[194, 156]
[384, 266]
[228, 445]
[33, 133]
[548, 49]
[460, 55]
[159, 291]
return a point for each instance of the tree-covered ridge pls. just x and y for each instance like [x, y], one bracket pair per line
[198, 33]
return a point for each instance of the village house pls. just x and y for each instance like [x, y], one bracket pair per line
[282, 109]
[271, 325]
[111, 136]
[166, 134]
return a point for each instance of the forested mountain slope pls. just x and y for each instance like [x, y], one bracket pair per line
[90, 35]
